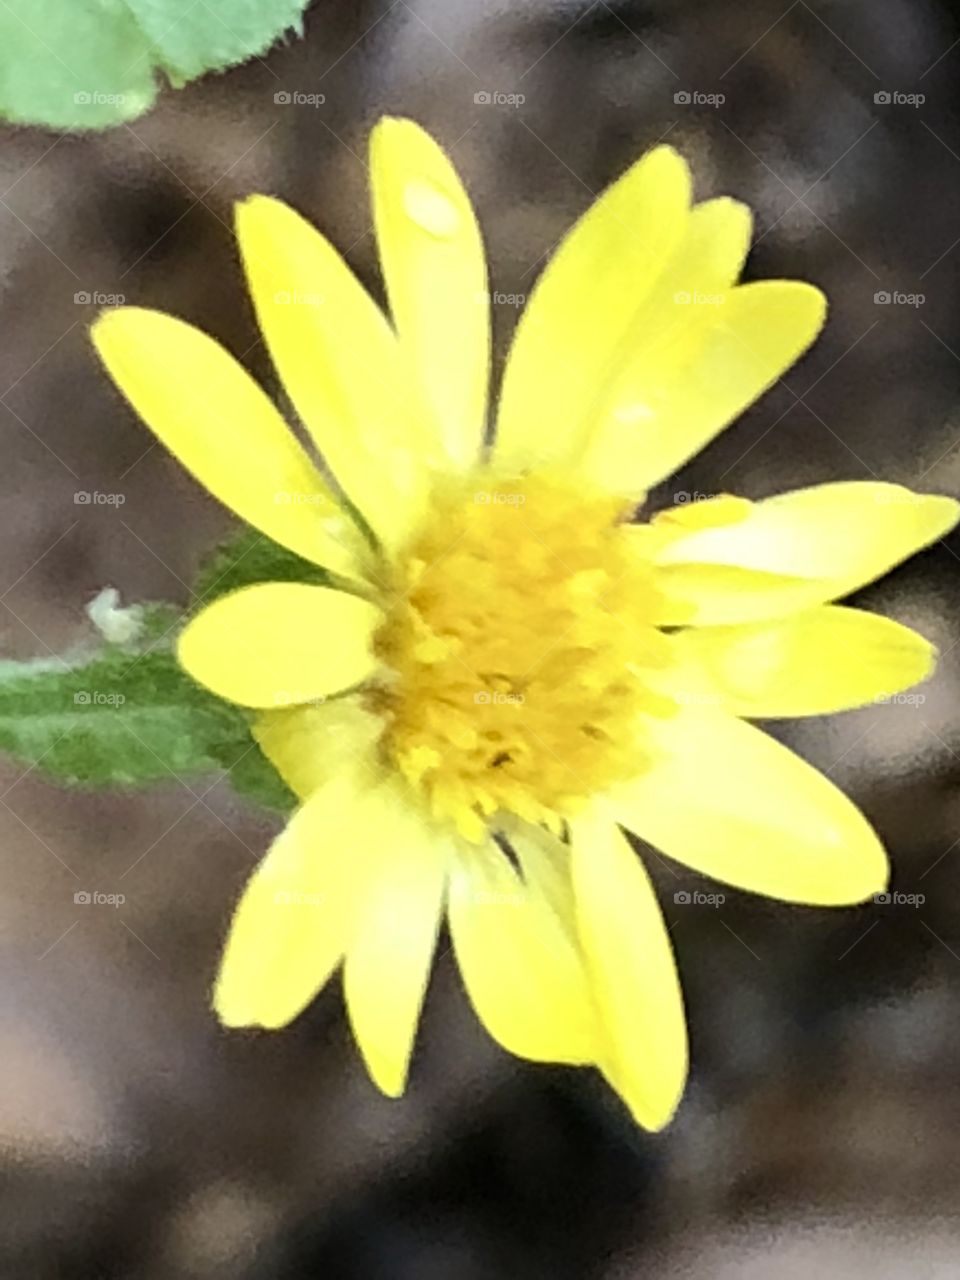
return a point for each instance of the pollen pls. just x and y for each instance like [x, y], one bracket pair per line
[517, 641]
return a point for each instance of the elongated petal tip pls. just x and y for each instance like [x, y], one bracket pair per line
[665, 154]
[811, 663]
[814, 299]
[399, 146]
[238, 1004]
[231, 1011]
[100, 327]
[732, 803]
[633, 975]
[234, 1011]
[255, 212]
[388, 128]
[944, 511]
[863, 873]
[651, 1115]
[882, 881]
[387, 1073]
[230, 1000]
[665, 164]
[116, 323]
[804, 303]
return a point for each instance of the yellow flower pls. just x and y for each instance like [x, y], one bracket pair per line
[506, 671]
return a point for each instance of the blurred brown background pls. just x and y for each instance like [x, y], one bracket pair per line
[820, 1128]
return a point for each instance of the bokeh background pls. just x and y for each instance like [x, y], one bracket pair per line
[820, 1130]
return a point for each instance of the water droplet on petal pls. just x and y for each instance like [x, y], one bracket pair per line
[431, 209]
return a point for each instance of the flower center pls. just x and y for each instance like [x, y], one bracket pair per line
[518, 636]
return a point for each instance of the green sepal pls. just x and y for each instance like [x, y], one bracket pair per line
[248, 557]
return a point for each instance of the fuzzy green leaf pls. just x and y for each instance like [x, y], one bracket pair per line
[119, 718]
[126, 719]
[87, 64]
[130, 715]
[191, 38]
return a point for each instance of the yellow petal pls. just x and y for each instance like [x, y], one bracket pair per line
[711, 254]
[706, 595]
[786, 553]
[521, 969]
[631, 968]
[544, 862]
[732, 803]
[703, 513]
[584, 308]
[222, 427]
[843, 534]
[280, 643]
[436, 277]
[704, 266]
[713, 594]
[294, 920]
[678, 390]
[388, 961]
[307, 745]
[815, 663]
[340, 363]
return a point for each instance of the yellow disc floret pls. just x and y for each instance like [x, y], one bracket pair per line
[517, 636]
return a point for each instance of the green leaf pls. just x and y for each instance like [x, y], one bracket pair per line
[87, 64]
[191, 37]
[73, 65]
[248, 557]
[117, 718]
[159, 623]
[129, 715]
[123, 719]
